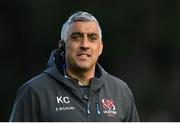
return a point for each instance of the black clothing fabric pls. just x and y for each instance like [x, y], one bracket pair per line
[51, 97]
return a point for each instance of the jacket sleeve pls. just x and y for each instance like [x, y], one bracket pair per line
[132, 114]
[25, 108]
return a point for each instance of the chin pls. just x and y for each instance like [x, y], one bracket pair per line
[83, 67]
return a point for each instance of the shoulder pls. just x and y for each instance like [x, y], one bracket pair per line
[116, 81]
[36, 84]
[118, 85]
[38, 81]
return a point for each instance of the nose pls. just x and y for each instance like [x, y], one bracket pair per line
[84, 43]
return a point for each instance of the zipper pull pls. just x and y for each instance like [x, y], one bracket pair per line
[97, 109]
[88, 108]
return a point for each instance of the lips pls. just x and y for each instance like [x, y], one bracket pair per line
[84, 54]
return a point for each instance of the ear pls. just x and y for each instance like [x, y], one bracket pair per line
[101, 48]
[61, 45]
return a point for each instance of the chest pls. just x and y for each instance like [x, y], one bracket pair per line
[64, 105]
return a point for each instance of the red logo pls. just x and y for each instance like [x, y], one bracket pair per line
[108, 104]
[108, 107]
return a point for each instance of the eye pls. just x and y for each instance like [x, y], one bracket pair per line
[76, 36]
[93, 37]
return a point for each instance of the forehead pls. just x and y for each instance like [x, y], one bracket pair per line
[85, 27]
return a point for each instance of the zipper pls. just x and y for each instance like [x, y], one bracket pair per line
[97, 109]
[88, 111]
[88, 108]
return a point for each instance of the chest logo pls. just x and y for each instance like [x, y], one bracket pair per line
[64, 104]
[63, 99]
[109, 107]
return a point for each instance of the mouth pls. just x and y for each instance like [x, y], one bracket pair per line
[83, 55]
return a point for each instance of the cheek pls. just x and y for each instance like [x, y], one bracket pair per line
[97, 53]
[69, 47]
[99, 50]
[70, 50]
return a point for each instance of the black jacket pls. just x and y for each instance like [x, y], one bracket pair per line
[52, 97]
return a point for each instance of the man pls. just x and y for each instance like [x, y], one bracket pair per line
[75, 87]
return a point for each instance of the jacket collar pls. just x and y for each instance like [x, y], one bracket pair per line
[55, 70]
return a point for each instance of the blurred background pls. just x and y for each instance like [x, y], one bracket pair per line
[141, 46]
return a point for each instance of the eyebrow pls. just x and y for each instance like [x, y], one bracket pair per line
[81, 34]
[93, 34]
[77, 33]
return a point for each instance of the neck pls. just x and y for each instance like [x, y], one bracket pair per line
[83, 76]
